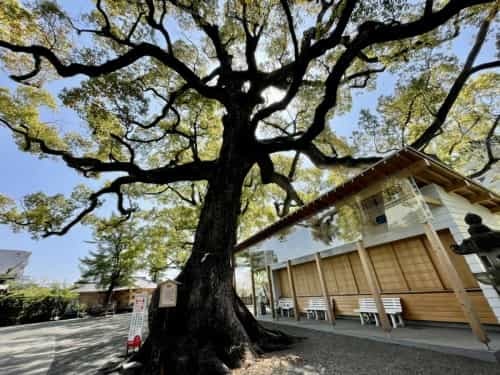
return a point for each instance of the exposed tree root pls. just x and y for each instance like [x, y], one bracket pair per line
[232, 342]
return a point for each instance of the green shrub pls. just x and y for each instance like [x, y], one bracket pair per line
[35, 304]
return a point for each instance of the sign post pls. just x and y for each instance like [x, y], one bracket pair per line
[134, 339]
[168, 294]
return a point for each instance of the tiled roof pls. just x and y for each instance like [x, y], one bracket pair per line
[12, 263]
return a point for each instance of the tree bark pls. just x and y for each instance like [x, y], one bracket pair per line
[210, 330]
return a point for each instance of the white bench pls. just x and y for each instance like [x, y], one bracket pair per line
[285, 305]
[392, 306]
[314, 305]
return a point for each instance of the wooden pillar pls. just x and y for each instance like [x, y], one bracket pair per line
[254, 300]
[451, 273]
[271, 290]
[374, 287]
[292, 288]
[330, 313]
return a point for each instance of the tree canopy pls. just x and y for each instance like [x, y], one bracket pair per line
[193, 112]
[152, 106]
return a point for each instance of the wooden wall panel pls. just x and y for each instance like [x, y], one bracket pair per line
[458, 260]
[438, 307]
[343, 274]
[359, 274]
[416, 265]
[330, 277]
[345, 305]
[284, 284]
[442, 307]
[405, 264]
[306, 279]
[387, 269]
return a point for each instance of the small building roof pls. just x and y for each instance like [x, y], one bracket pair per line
[405, 162]
[12, 263]
[139, 283]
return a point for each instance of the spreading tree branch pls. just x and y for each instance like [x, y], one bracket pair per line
[467, 70]
[492, 159]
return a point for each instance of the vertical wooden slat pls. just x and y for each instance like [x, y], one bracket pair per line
[456, 283]
[254, 300]
[436, 270]
[330, 313]
[271, 290]
[292, 287]
[374, 287]
[399, 268]
[352, 273]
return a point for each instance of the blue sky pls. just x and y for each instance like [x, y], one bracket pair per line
[56, 258]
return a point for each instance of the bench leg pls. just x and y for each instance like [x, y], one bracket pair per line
[376, 320]
[400, 320]
[361, 318]
[393, 320]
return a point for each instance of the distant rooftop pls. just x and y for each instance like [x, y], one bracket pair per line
[12, 263]
[139, 283]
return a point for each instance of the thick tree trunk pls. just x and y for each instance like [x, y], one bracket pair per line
[210, 330]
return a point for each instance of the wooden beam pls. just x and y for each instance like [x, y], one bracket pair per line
[457, 186]
[372, 283]
[423, 179]
[292, 288]
[413, 169]
[330, 313]
[480, 198]
[254, 299]
[432, 201]
[452, 275]
[438, 176]
[271, 290]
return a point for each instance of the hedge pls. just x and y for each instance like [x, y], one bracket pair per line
[36, 304]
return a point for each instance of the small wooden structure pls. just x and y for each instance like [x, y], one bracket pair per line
[387, 232]
[91, 294]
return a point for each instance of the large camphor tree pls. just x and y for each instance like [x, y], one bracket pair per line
[210, 96]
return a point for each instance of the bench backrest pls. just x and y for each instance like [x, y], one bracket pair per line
[391, 305]
[317, 303]
[285, 303]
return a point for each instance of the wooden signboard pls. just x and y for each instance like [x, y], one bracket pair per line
[168, 294]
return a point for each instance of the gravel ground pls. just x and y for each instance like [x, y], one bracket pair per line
[328, 354]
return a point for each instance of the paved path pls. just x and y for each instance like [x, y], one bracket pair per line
[62, 348]
[84, 346]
